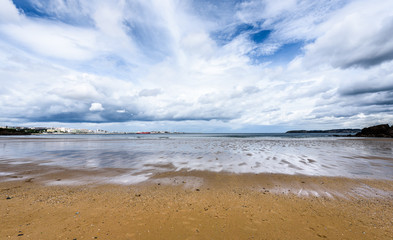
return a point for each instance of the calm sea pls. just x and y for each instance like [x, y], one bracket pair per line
[143, 155]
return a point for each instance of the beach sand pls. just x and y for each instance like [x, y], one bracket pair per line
[195, 205]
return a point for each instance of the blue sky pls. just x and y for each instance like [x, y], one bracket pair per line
[196, 66]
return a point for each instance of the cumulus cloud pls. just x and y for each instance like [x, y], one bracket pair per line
[96, 107]
[360, 39]
[200, 65]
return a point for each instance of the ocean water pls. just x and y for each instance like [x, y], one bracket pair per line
[144, 155]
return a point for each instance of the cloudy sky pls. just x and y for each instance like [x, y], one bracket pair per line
[196, 65]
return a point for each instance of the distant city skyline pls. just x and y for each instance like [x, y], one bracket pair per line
[196, 65]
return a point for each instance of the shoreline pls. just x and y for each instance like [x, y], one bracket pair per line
[195, 205]
[297, 184]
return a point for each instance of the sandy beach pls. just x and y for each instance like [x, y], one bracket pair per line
[195, 205]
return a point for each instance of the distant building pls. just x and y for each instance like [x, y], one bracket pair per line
[100, 131]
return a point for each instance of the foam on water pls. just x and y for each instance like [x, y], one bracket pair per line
[6, 173]
[123, 179]
[128, 179]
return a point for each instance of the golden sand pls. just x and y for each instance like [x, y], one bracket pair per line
[198, 205]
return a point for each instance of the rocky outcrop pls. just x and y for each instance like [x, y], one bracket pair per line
[382, 130]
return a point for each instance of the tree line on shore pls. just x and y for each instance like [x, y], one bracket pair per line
[16, 131]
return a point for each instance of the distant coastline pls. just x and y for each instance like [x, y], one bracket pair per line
[14, 131]
[383, 131]
[347, 130]
[378, 131]
[61, 130]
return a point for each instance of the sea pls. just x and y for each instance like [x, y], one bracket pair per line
[143, 155]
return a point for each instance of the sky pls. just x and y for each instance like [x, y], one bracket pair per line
[196, 65]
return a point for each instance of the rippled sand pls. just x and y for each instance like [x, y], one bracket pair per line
[196, 205]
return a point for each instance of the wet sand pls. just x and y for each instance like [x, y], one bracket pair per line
[194, 205]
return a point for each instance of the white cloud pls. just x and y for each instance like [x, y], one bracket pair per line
[96, 107]
[358, 35]
[157, 63]
[8, 12]
[149, 92]
[59, 41]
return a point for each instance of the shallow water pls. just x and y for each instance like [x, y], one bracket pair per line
[143, 155]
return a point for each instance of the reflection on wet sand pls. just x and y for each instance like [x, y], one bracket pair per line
[310, 156]
[195, 188]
